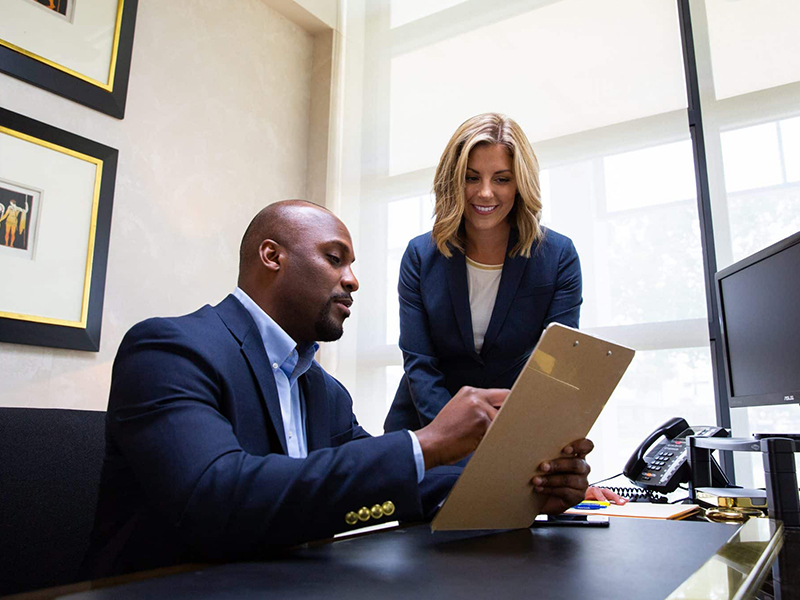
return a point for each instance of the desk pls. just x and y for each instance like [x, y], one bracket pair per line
[633, 558]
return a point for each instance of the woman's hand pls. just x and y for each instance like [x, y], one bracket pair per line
[604, 495]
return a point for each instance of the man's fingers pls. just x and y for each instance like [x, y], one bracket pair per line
[496, 396]
[553, 482]
[565, 465]
[579, 448]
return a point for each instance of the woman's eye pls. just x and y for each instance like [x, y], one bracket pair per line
[471, 178]
[502, 180]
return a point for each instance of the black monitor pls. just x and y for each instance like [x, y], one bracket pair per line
[759, 308]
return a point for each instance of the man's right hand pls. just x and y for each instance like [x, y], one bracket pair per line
[460, 426]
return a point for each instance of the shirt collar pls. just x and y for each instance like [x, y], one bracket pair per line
[279, 345]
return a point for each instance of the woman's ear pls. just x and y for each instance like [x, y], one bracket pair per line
[271, 254]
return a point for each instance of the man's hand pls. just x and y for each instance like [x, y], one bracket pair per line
[460, 426]
[564, 480]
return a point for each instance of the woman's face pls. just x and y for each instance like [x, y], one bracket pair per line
[490, 187]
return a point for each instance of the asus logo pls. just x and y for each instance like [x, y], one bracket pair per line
[789, 398]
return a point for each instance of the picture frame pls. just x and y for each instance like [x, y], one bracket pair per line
[52, 291]
[78, 49]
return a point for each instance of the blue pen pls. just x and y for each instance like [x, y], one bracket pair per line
[591, 505]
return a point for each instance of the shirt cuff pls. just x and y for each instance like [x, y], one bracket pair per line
[418, 458]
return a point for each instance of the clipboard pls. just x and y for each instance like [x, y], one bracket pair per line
[556, 399]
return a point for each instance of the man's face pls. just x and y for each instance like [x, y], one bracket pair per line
[318, 279]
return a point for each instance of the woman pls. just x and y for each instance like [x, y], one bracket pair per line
[477, 291]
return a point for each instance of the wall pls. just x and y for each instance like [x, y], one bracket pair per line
[217, 126]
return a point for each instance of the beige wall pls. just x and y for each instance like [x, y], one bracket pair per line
[217, 126]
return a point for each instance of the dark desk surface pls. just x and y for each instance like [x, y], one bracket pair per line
[633, 558]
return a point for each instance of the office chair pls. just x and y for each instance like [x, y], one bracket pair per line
[50, 463]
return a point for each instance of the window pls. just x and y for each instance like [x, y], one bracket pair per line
[599, 89]
[751, 117]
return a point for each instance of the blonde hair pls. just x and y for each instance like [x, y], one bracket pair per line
[449, 182]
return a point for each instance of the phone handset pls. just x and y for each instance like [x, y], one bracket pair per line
[636, 463]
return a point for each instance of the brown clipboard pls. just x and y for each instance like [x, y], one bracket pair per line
[556, 399]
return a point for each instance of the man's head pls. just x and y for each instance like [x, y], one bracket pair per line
[295, 263]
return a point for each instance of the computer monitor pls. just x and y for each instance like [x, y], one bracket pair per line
[759, 308]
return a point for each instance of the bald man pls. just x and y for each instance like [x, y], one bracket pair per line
[225, 439]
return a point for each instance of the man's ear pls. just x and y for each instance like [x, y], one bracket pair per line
[271, 254]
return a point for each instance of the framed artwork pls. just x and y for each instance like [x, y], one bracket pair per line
[79, 49]
[56, 196]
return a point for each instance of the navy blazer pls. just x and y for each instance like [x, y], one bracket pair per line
[436, 338]
[196, 466]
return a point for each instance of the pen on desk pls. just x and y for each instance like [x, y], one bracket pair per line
[592, 505]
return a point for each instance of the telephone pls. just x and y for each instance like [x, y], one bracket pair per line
[665, 466]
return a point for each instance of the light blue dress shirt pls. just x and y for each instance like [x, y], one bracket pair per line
[288, 362]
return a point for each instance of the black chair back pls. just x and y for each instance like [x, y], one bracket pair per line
[50, 463]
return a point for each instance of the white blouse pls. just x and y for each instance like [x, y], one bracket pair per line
[483, 281]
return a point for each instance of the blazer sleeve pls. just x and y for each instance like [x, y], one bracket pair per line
[425, 381]
[565, 308]
[165, 418]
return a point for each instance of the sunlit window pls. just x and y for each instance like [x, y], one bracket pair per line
[754, 45]
[406, 11]
[562, 68]
[599, 89]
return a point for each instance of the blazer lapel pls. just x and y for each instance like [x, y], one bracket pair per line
[315, 400]
[243, 328]
[513, 269]
[459, 294]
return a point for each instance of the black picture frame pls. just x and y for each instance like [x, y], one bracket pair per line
[31, 330]
[30, 68]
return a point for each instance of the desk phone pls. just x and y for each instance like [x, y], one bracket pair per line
[661, 467]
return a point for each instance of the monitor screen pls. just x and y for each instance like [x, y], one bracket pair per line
[759, 300]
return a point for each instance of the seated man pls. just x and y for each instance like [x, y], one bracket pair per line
[225, 439]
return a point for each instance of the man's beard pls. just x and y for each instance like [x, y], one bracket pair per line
[326, 328]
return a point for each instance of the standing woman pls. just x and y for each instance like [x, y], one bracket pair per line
[477, 291]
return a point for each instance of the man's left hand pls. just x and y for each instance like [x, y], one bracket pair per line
[564, 480]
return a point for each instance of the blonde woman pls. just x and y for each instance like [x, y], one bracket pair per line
[477, 291]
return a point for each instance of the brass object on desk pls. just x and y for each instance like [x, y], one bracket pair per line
[732, 497]
[736, 514]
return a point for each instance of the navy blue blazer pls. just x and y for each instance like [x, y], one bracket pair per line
[196, 466]
[436, 325]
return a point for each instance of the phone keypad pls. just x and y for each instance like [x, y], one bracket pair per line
[663, 461]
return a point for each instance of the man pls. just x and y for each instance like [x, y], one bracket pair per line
[225, 439]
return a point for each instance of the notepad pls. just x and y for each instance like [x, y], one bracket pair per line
[555, 400]
[641, 510]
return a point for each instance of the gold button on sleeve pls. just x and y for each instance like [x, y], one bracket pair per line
[351, 518]
[376, 511]
[363, 514]
[388, 508]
